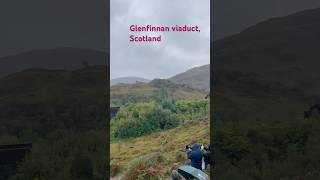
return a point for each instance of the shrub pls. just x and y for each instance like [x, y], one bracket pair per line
[134, 120]
[191, 109]
[141, 119]
[145, 167]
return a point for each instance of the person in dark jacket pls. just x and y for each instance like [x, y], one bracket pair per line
[195, 156]
[207, 156]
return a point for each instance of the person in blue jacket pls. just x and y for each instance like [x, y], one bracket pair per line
[195, 155]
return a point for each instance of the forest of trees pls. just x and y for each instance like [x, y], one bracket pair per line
[138, 119]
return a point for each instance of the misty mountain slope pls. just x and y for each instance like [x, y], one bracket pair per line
[284, 49]
[42, 85]
[60, 58]
[197, 78]
[27, 96]
[232, 16]
[128, 80]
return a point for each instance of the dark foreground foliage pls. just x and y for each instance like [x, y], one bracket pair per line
[281, 151]
[63, 114]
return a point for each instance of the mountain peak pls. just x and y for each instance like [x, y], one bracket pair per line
[197, 78]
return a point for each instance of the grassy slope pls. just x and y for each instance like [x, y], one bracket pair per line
[169, 142]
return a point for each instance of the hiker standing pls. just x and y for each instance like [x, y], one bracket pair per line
[195, 156]
[207, 156]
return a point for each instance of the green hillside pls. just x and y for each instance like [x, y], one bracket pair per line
[155, 122]
[121, 94]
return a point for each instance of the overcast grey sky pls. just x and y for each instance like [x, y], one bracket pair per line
[37, 24]
[176, 53]
[45, 24]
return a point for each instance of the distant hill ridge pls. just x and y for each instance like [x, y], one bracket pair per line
[196, 78]
[59, 58]
[74, 58]
[128, 80]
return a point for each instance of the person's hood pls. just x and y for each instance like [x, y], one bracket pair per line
[196, 146]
